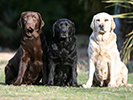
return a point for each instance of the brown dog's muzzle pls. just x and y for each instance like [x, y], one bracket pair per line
[30, 26]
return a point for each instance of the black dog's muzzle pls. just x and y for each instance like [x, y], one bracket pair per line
[64, 33]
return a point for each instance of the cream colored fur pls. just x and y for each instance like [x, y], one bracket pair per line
[102, 72]
[103, 52]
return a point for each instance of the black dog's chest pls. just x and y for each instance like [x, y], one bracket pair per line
[61, 50]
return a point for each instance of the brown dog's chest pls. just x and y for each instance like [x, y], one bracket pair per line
[31, 44]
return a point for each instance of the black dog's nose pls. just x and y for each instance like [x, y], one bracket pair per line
[63, 31]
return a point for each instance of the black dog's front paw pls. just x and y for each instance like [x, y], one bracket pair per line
[75, 84]
[50, 82]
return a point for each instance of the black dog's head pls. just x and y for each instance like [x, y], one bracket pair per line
[30, 21]
[63, 28]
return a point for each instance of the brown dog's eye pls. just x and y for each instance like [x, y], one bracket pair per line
[106, 20]
[34, 18]
[25, 18]
[98, 20]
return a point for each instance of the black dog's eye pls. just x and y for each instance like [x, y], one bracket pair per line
[66, 24]
[59, 26]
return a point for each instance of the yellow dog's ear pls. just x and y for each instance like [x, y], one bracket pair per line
[112, 24]
[93, 23]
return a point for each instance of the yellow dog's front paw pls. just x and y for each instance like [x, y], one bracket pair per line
[86, 86]
[112, 85]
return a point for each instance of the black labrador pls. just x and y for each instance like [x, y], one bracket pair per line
[63, 54]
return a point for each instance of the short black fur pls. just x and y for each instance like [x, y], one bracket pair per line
[63, 54]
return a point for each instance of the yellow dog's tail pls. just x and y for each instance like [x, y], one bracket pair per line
[128, 85]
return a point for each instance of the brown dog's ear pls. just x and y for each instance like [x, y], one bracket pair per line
[20, 20]
[112, 24]
[41, 21]
[19, 23]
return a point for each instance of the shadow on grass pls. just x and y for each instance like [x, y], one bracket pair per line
[2, 83]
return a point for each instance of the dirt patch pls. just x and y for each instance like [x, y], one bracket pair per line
[82, 59]
[6, 55]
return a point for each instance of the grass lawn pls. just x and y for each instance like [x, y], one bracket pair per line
[60, 93]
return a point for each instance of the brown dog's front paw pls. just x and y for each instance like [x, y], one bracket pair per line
[17, 82]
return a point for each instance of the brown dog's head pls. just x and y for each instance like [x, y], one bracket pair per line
[31, 22]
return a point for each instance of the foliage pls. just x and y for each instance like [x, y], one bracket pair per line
[10, 12]
[79, 11]
[127, 48]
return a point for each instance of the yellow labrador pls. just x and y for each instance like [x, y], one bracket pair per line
[103, 41]
[102, 72]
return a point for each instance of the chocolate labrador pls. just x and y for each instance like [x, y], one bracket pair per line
[26, 67]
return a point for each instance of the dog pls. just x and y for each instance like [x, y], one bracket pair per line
[27, 64]
[63, 54]
[103, 41]
[102, 72]
[101, 75]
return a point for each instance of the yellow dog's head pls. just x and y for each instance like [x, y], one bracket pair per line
[102, 23]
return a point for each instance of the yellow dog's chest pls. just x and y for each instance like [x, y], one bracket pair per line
[97, 48]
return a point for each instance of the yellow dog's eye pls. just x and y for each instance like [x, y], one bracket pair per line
[106, 20]
[98, 20]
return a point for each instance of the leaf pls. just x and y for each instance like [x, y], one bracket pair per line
[131, 33]
[110, 5]
[118, 1]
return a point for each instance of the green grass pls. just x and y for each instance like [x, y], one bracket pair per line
[64, 93]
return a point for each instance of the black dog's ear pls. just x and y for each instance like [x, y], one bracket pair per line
[73, 26]
[53, 29]
[41, 21]
[20, 19]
